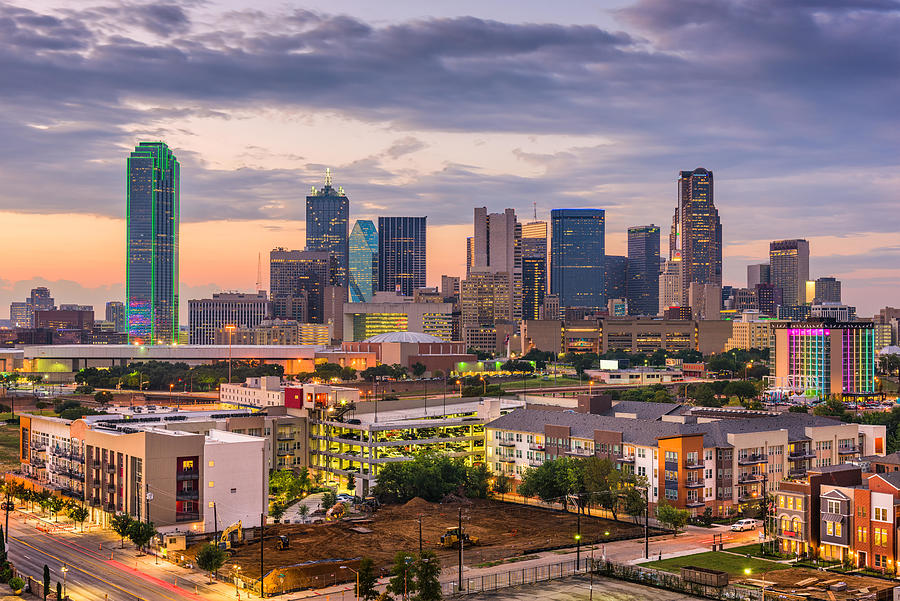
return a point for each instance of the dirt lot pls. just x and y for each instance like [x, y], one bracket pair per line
[504, 529]
[813, 584]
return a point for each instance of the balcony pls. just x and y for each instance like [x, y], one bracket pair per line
[626, 459]
[281, 451]
[752, 459]
[797, 474]
[187, 495]
[798, 455]
[693, 465]
[535, 463]
[747, 497]
[507, 443]
[694, 484]
[508, 459]
[580, 452]
[110, 468]
[746, 478]
[694, 503]
[285, 436]
[535, 447]
[188, 475]
[186, 516]
[848, 450]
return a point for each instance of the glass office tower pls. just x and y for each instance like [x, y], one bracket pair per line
[696, 235]
[363, 261]
[643, 270]
[328, 227]
[577, 248]
[401, 254]
[153, 191]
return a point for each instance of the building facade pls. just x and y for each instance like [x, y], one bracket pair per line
[284, 332]
[401, 254]
[827, 290]
[394, 313]
[207, 315]
[153, 216]
[328, 227]
[577, 249]
[757, 274]
[696, 235]
[363, 261]
[115, 313]
[789, 261]
[297, 282]
[643, 270]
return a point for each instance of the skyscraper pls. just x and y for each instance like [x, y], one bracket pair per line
[615, 277]
[828, 290]
[115, 314]
[670, 289]
[577, 249]
[363, 261]
[789, 261]
[328, 227]
[696, 234]
[757, 274]
[401, 254]
[643, 270]
[153, 215]
[534, 268]
[297, 281]
[497, 248]
[206, 315]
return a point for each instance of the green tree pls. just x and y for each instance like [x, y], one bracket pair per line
[103, 397]
[277, 511]
[351, 484]
[121, 525]
[46, 581]
[55, 505]
[548, 482]
[141, 533]
[704, 395]
[303, 511]
[742, 389]
[283, 484]
[79, 515]
[501, 484]
[419, 369]
[671, 516]
[832, 408]
[348, 373]
[427, 570]
[367, 580]
[431, 476]
[403, 577]
[633, 502]
[329, 498]
[210, 558]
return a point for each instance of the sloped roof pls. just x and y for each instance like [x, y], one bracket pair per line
[403, 337]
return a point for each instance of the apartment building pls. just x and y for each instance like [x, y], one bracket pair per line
[265, 391]
[137, 465]
[690, 461]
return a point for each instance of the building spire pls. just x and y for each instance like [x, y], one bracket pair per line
[328, 177]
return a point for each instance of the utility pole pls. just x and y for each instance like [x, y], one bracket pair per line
[215, 525]
[460, 552]
[647, 522]
[420, 535]
[578, 535]
[6, 531]
[262, 546]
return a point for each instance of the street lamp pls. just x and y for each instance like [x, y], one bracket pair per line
[237, 572]
[64, 572]
[357, 579]
[230, 329]
[483, 386]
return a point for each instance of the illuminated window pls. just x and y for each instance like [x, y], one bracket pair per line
[211, 484]
[212, 463]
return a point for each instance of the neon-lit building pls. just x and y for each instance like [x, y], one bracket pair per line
[823, 357]
[153, 214]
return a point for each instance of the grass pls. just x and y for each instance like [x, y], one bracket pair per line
[490, 564]
[538, 383]
[753, 549]
[9, 447]
[714, 560]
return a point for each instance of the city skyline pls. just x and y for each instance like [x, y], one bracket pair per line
[779, 158]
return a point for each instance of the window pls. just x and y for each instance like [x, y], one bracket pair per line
[211, 484]
[837, 529]
[781, 500]
[672, 493]
[861, 511]
[880, 561]
[709, 473]
[641, 453]
[880, 514]
[212, 463]
[790, 502]
[672, 456]
[862, 534]
[834, 506]
[708, 454]
[799, 503]
[829, 528]
[211, 504]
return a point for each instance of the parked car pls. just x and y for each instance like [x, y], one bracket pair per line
[745, 524]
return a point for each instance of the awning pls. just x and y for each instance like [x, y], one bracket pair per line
[833, 517]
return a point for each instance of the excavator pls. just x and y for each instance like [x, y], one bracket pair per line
[226, 541]
[450, 539]
[336, 512]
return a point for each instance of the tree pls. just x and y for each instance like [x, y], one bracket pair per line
[121, 525]
[501, 484]
[431, 476]
[742, 389]
[329, 498]
[46, 581]
[704, 395]
[427, 571]
[210, 558]
[672, 517]
[419, 369]
[633, 502]
[277, 511]
[55, 505]
[348, 373]
[78, 515]
[832, 408]
[367, 580]
[547, 482]
[59, 591]
[304, 511]
[104, 397]
[141, 533]
[402, 580]
[351, 483]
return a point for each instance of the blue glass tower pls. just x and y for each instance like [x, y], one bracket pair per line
[153, 190]
[328, 227]
[363, 261]
[577, 249]
[643, 270]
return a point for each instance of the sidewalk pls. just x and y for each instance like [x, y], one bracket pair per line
[292, 515]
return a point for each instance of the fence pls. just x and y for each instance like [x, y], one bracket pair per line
[629, 573]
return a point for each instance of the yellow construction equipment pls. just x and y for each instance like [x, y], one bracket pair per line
[450, 538]
[283, 543]
[336, 512]
[231, 536]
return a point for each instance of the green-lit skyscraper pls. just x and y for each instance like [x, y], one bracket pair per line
[153, 191]
[363, 261]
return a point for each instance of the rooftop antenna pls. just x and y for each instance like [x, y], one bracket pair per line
[327, 177]
[258, 272]
[535, 210]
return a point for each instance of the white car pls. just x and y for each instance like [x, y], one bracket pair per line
[745, 524]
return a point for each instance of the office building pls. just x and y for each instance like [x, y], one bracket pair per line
[789, 261]
[577, 249]
[743, 299]
[328, 227]
[827, 290]
[617, 307]
[643, 270]
[388, 312]
[534, 268]
[497, 248]
[750, 332]
[153, 216]
[207, 315]
[401, 254]
[115, 313]
[409, 348]
[363, 261]
[757, 274]
[615, 276]
[696, 234]
[484, 301]
[550, 309]
[768, 299]
[794, 312]
[823, 357]
[705, 300]
[670, 289]
[721, 464]
[285, 332]
[449, 286]
[19, 315]
[297, 281]
[833, 311]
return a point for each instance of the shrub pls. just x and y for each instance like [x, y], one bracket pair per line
[16, 584]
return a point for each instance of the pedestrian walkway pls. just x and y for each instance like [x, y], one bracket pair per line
[312, 502]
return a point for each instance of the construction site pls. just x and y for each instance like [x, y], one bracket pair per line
[300, 556]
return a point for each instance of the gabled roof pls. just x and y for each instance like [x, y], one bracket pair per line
[836, 494]
[892, 478]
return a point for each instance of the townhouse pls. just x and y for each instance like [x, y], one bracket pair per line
[692, 461]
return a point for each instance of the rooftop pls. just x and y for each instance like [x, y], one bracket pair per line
[415, 337]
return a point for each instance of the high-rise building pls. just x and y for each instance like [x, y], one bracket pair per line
[21, 315]
[577, 249]
[696, 234]
[297, 281]
[828, 290]
[484, 298]
[534, 268]
[789, 261]
[449, 286]
[705, 300]
[237, 309]
[115, 314]
[153, 215]
[670, 290]
[328, 227]
[18, 315]
[363, 261]
[497, 248]
[643, 270]
[768, 299]
[401, 254]
[615, 276]
[757, 274]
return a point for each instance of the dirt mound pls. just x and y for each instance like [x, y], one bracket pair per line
[417, 504]
[452, 499]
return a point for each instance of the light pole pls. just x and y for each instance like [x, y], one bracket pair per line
[357, 579]
[230, 329]
[64, 570]
[237, 573]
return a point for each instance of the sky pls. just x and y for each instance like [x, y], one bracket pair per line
[434, 108]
